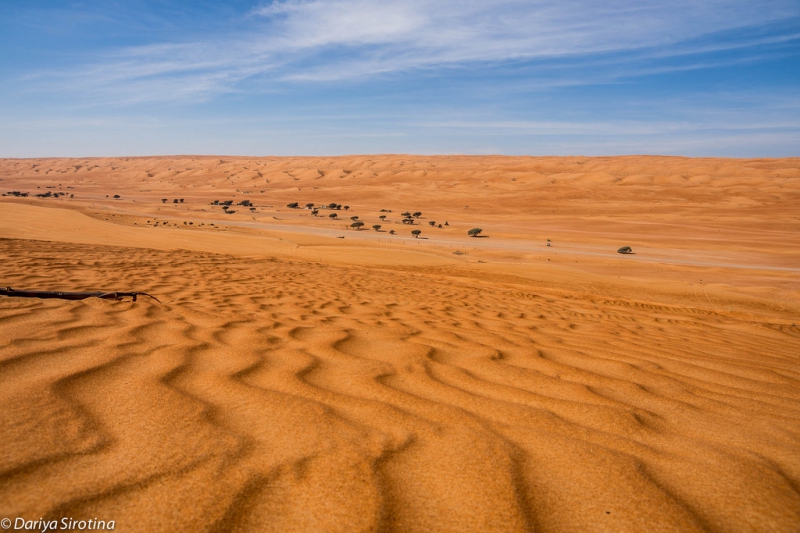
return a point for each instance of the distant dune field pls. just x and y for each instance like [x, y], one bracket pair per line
[528, 379]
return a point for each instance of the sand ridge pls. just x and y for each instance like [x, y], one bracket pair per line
[294, 381]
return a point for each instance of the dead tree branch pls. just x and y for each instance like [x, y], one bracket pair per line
[116, 295]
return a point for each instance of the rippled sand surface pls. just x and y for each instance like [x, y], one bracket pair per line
[290, 380]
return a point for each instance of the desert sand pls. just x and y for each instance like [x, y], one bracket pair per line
[301, 375]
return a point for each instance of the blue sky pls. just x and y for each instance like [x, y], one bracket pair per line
[329, 77]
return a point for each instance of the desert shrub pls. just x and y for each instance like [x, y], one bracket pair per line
[474, 232]
[332, 215]
[293, 205]
[117, 197]
[431, 223]
[417, 214]
[164, 200]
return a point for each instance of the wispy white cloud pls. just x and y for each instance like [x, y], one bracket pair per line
[326, 40]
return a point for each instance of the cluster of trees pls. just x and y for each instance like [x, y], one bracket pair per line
[408, 218]
[17, 193]
[50, 194]
[180, 200]
[310, 205]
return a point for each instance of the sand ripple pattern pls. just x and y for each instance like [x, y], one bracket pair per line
[271, 395]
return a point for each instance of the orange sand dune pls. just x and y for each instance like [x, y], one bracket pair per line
[292, 380]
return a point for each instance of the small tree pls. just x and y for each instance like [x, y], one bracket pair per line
[391, 232]
[332, 215]
[416, 233]
[293, 205]
[354, 218]
[315, 212]
[376, 227]
[331, 206]
[181, 200]
[346, 207]
[116, 196]
[418, 214]
[310, 205]
[163, 200]
[382, 217]
[175, 201]
[431, 223]
[474, 232]
[357, 224]
[406, 214]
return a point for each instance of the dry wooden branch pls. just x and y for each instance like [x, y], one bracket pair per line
[117, 295]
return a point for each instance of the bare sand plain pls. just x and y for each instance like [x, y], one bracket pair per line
[295, 380]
